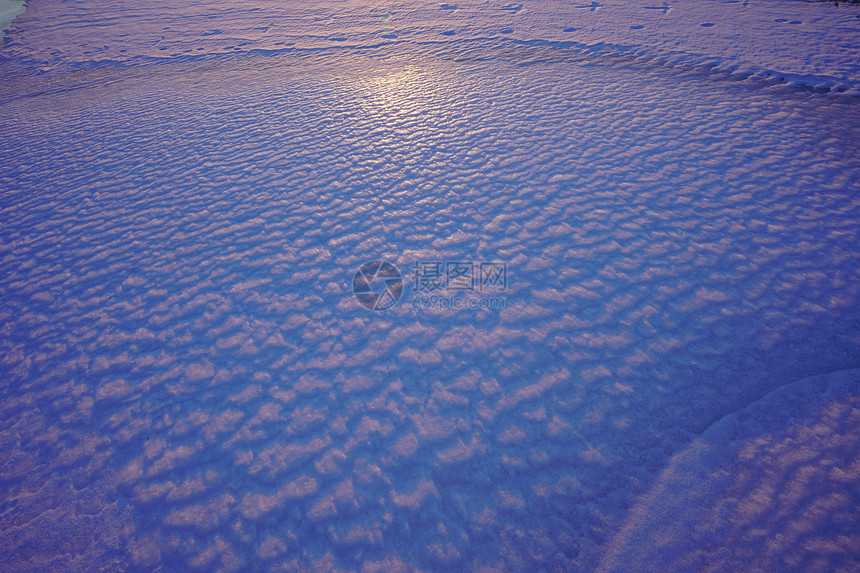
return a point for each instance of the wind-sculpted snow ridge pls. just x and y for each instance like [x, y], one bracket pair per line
[772, 487]
[799, 43]
[188, 382]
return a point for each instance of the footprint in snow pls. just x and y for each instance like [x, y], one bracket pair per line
[592, 7]
[665, 8]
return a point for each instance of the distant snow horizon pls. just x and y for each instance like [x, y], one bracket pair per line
[809, 44]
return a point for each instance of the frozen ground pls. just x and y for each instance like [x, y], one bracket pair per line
[188, 382]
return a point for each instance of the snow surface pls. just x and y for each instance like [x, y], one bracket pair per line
[771, 487]
[8, 10]
[188, 382]
[802, 43]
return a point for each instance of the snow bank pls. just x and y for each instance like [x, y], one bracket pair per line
[771, 487]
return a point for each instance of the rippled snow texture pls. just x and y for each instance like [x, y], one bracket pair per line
[188, 382]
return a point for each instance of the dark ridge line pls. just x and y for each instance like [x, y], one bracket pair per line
[764, 77]
[716, 423]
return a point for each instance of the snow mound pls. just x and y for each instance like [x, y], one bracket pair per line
[771, 487]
